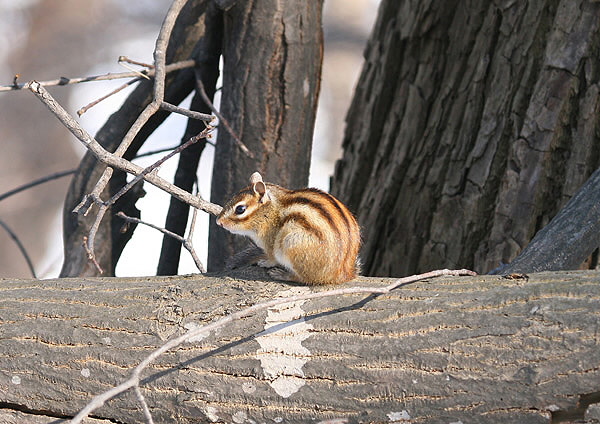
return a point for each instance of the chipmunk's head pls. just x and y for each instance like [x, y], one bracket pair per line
[247, 213]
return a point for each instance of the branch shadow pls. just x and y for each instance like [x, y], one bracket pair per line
[278, 327]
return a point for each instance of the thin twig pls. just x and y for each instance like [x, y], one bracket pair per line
[185, 242]
[125, 59]
[186, 112]
[139, 73]
[104, 77]
[145, 408]
[13, 236]
[90, 105]
[134, 380]
[222, 120]
[188, 243]
[166, 149]
[39, 181]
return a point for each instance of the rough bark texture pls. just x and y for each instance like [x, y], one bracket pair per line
[111, 238]
[469, 349]
[472, 124]
[272, 66]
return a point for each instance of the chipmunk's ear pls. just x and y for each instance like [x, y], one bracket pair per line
[256, 177]
[260, 188]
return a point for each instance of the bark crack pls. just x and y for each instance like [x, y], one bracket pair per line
[9, 406]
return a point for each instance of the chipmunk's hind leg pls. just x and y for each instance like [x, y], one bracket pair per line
[283, 274]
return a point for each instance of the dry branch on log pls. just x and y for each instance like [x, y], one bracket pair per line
[473, 349]
[570, 237]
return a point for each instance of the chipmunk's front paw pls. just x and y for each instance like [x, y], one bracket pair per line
[266, 263]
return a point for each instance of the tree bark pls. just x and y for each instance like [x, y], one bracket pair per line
[473, 349]
[111, 238]
[272, 67]
[472, 125]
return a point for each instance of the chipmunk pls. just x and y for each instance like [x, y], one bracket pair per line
[308, 232]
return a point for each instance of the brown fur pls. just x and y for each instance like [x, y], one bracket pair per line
[308, 232]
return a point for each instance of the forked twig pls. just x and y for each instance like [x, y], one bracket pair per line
[113, 161]
[185, 242]
[134, 380]
[160, 51]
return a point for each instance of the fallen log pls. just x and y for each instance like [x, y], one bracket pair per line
[451, 349]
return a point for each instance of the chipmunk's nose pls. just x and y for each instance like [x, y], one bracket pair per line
[219, 222]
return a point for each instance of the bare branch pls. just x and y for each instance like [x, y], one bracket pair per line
[39, 181]
[104, 77]
[186, 112]
[115, 161]
[222, 120]
[134, 380]
[103, 206]
[87, 107]
[20, 245]
[125, 59]
[159, 91]
[185, 242]
[145, 408]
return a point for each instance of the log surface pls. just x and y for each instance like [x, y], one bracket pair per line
[469, 349]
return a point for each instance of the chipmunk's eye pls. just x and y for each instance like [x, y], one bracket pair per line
[240, 209]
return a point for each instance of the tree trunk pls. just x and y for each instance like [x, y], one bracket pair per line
[467, 349]
[272, 68]
[111, 238]
[472, 124]
[207, 55]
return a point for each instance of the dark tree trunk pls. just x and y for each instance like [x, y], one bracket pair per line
[472, 124]
[111, 238]
[207, 54]
[272, 68]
